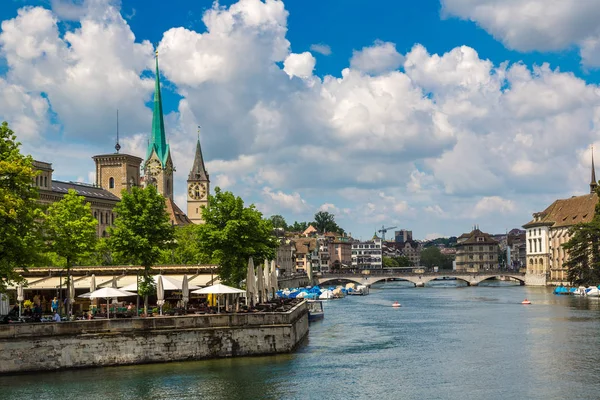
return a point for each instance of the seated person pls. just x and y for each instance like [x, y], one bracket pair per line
[56, 317]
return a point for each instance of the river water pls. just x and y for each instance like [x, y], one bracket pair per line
[445, 342]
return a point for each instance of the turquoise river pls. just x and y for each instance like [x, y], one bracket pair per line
[445, 342]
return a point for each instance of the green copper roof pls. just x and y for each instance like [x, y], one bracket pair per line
[158, 141]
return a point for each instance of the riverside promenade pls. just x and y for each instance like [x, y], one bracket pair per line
[97, 343]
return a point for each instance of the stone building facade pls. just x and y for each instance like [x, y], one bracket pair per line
[367, 255]
[548, 231]
[476, 251]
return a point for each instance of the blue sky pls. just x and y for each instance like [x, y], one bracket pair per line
[432, 115]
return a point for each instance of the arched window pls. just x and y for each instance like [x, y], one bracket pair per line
[541, 262]
[45, 181]
[111, 183]
[168, 187]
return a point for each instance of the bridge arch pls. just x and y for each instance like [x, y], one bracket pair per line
[520, 279]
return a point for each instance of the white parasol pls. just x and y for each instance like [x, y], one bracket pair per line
[274, 284]
[250, 284]
[108, 293]
[160, 293]
[20, 297]
[260, 283]
[185, 291]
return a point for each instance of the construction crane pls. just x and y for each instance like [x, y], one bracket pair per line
[384, 230]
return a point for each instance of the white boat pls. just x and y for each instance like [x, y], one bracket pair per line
[592, 291]
[315, 310]
[360, 290]
[326, 295]
[580, 291]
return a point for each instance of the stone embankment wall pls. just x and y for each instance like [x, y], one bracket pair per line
[293, 282]
[532, 279]
[52, 346]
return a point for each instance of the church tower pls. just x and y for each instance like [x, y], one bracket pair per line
[198, 185]
[158, 168]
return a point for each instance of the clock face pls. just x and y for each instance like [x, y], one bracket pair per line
[153, 167]
[197, 191]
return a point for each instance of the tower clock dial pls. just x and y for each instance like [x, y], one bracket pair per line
[197, 191]
[153, 167]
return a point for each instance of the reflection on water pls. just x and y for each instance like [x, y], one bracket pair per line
[443, 343]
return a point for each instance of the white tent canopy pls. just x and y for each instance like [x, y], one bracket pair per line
[219, 289]
[108, 293]
[168, 282]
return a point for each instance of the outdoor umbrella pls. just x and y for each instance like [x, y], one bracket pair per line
[185, 291]
[260, 283]
[219, 288]
[92, 289]
[274, 284]
[20, 297]
[71, 292]
[250, 283]
[160, 293]
[109, 293]
[267, 280]
[4, 304]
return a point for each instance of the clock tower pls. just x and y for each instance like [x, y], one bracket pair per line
[198, 186]
[158, 168]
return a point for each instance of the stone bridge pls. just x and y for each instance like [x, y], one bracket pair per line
[418, 279]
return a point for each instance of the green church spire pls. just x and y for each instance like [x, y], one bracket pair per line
[158, 141]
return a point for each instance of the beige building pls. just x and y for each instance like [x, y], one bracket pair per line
[102, 201]
[476, 251]
[286, 256]
[549, 230]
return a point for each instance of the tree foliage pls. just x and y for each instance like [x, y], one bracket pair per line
[19, 210]
[325, 222]
[141, 231]
[70, 230]
[278, 222]
[298, 226]
[583, 248]
[433, 257]
[232, 233]
[186, 248]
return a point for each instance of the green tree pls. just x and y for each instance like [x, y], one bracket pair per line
[70, 231]
[584, 252]
[232, 233]
[403, 262]
[185, 248]
[433, 257]
[141, 230]
[298, 226]
[19, 210]
[390, 262]
[278, 222]
[325, 222]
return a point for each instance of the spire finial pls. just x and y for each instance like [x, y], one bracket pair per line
[198, 132]
[593, 181]
[117, 145]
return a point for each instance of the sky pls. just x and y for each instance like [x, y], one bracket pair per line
[432, 115]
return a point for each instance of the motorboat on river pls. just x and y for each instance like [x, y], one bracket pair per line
[315, 310]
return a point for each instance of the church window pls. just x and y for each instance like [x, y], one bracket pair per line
[111, 183]
[196, 211]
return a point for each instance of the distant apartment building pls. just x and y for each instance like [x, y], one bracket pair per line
[403, 235]
[548, 231]
[286, 256]
[410, 249]
[476, 251]
[367, 255]
[341, 253]
[306, 253]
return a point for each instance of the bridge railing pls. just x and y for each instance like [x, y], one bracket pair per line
[391, 272]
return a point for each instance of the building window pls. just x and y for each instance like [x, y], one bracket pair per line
[101, 218]
[111, 183]
[45, 181]
[113, 219]
[95, 215]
